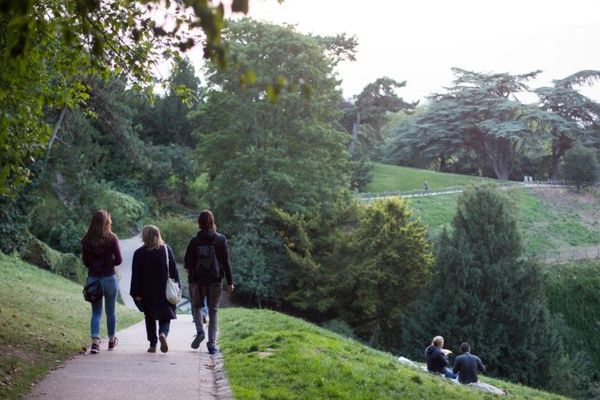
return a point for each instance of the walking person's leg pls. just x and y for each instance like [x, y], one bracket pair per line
[195, 294]
[151, 332]
[214, 297]
[95, 321]
[163, 332]
[110, 288]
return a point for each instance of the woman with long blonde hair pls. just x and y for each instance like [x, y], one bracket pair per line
[100, 253]
[148, 282]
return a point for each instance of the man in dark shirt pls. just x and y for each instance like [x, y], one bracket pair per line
[467, 365]
[436, 358]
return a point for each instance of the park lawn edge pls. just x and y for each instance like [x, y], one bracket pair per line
[269, 355]
[44, 320]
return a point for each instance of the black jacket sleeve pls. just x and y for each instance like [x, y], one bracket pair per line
[190, 256]
[224, 260]
[136, 279]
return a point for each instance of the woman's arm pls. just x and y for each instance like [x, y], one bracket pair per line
[173, 265]
[116, 250]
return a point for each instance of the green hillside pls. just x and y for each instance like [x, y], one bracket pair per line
[273, 356]
[550, 218]
[393, 178]
[43, 320]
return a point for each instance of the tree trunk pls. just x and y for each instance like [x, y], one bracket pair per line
[355, 127]
[374, 334]
[63, 112]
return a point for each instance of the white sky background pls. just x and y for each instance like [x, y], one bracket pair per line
[420, 40]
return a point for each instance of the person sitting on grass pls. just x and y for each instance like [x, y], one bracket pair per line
[467, 365]
[436, 359]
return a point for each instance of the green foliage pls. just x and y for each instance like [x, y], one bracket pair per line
[388, 262]
[176, 230]
[43, 319]
[272, 356]
[362, 174]
[260, 156]
[581, 166]
[478, 120]
[126, 212]
[573, 291]
[480, 283]
[365, 118]
[49, 49]
[363, 264]
[67, 265]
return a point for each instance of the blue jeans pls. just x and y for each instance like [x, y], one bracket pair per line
[449, 374]
[110, 288]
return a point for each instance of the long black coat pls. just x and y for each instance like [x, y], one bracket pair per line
[149, 281]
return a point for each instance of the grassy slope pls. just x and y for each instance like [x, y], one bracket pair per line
[272, 356]
[43, 320]
[393, 178]
[549, 218]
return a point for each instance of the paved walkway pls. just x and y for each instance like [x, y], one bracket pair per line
[128, 247]
[130, 373]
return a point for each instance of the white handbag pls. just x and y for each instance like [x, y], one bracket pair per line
[173, 291]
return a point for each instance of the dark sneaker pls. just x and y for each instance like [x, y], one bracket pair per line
[112, 343]
[152, 349]
[212, 349]
[197, 340]
[164, 347]
[95, 349]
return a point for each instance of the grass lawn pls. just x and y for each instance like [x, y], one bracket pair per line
[272, 356]
[548, 218]
[393, 178]
[43, 321]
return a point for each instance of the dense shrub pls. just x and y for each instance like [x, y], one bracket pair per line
[580, 165]
[127, 212]
[68, 265]
[573, 292]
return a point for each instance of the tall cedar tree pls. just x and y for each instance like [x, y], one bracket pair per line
[484, 293]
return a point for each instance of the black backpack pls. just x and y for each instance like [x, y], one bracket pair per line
[208, 268]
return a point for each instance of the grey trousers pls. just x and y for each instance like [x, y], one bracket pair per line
[213, 297]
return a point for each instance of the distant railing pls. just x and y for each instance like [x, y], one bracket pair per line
[458, 189]
[568, 254]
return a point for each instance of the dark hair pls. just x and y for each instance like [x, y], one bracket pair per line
[465, 348]
[99, 231]
[206, 220]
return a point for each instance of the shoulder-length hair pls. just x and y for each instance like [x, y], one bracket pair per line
[100, 229]
[151, 237]
[206, 220]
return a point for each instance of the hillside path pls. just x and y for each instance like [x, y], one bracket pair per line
[128, 247]
[129, 372]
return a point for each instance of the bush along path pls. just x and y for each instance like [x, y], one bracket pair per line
[130, 372]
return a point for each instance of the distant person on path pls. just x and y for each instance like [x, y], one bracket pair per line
[100, 254]
[436, 358]
[467, 365]
[207, 263]
[426, 187]
[148, 284]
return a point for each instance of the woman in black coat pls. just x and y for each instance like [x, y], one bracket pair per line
[148, 284]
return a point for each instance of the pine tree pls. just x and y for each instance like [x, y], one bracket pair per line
[486, 294]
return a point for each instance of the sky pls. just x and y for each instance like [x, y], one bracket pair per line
[418, 41]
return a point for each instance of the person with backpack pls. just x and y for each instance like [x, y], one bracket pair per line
[207, 263]
[100, 253]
